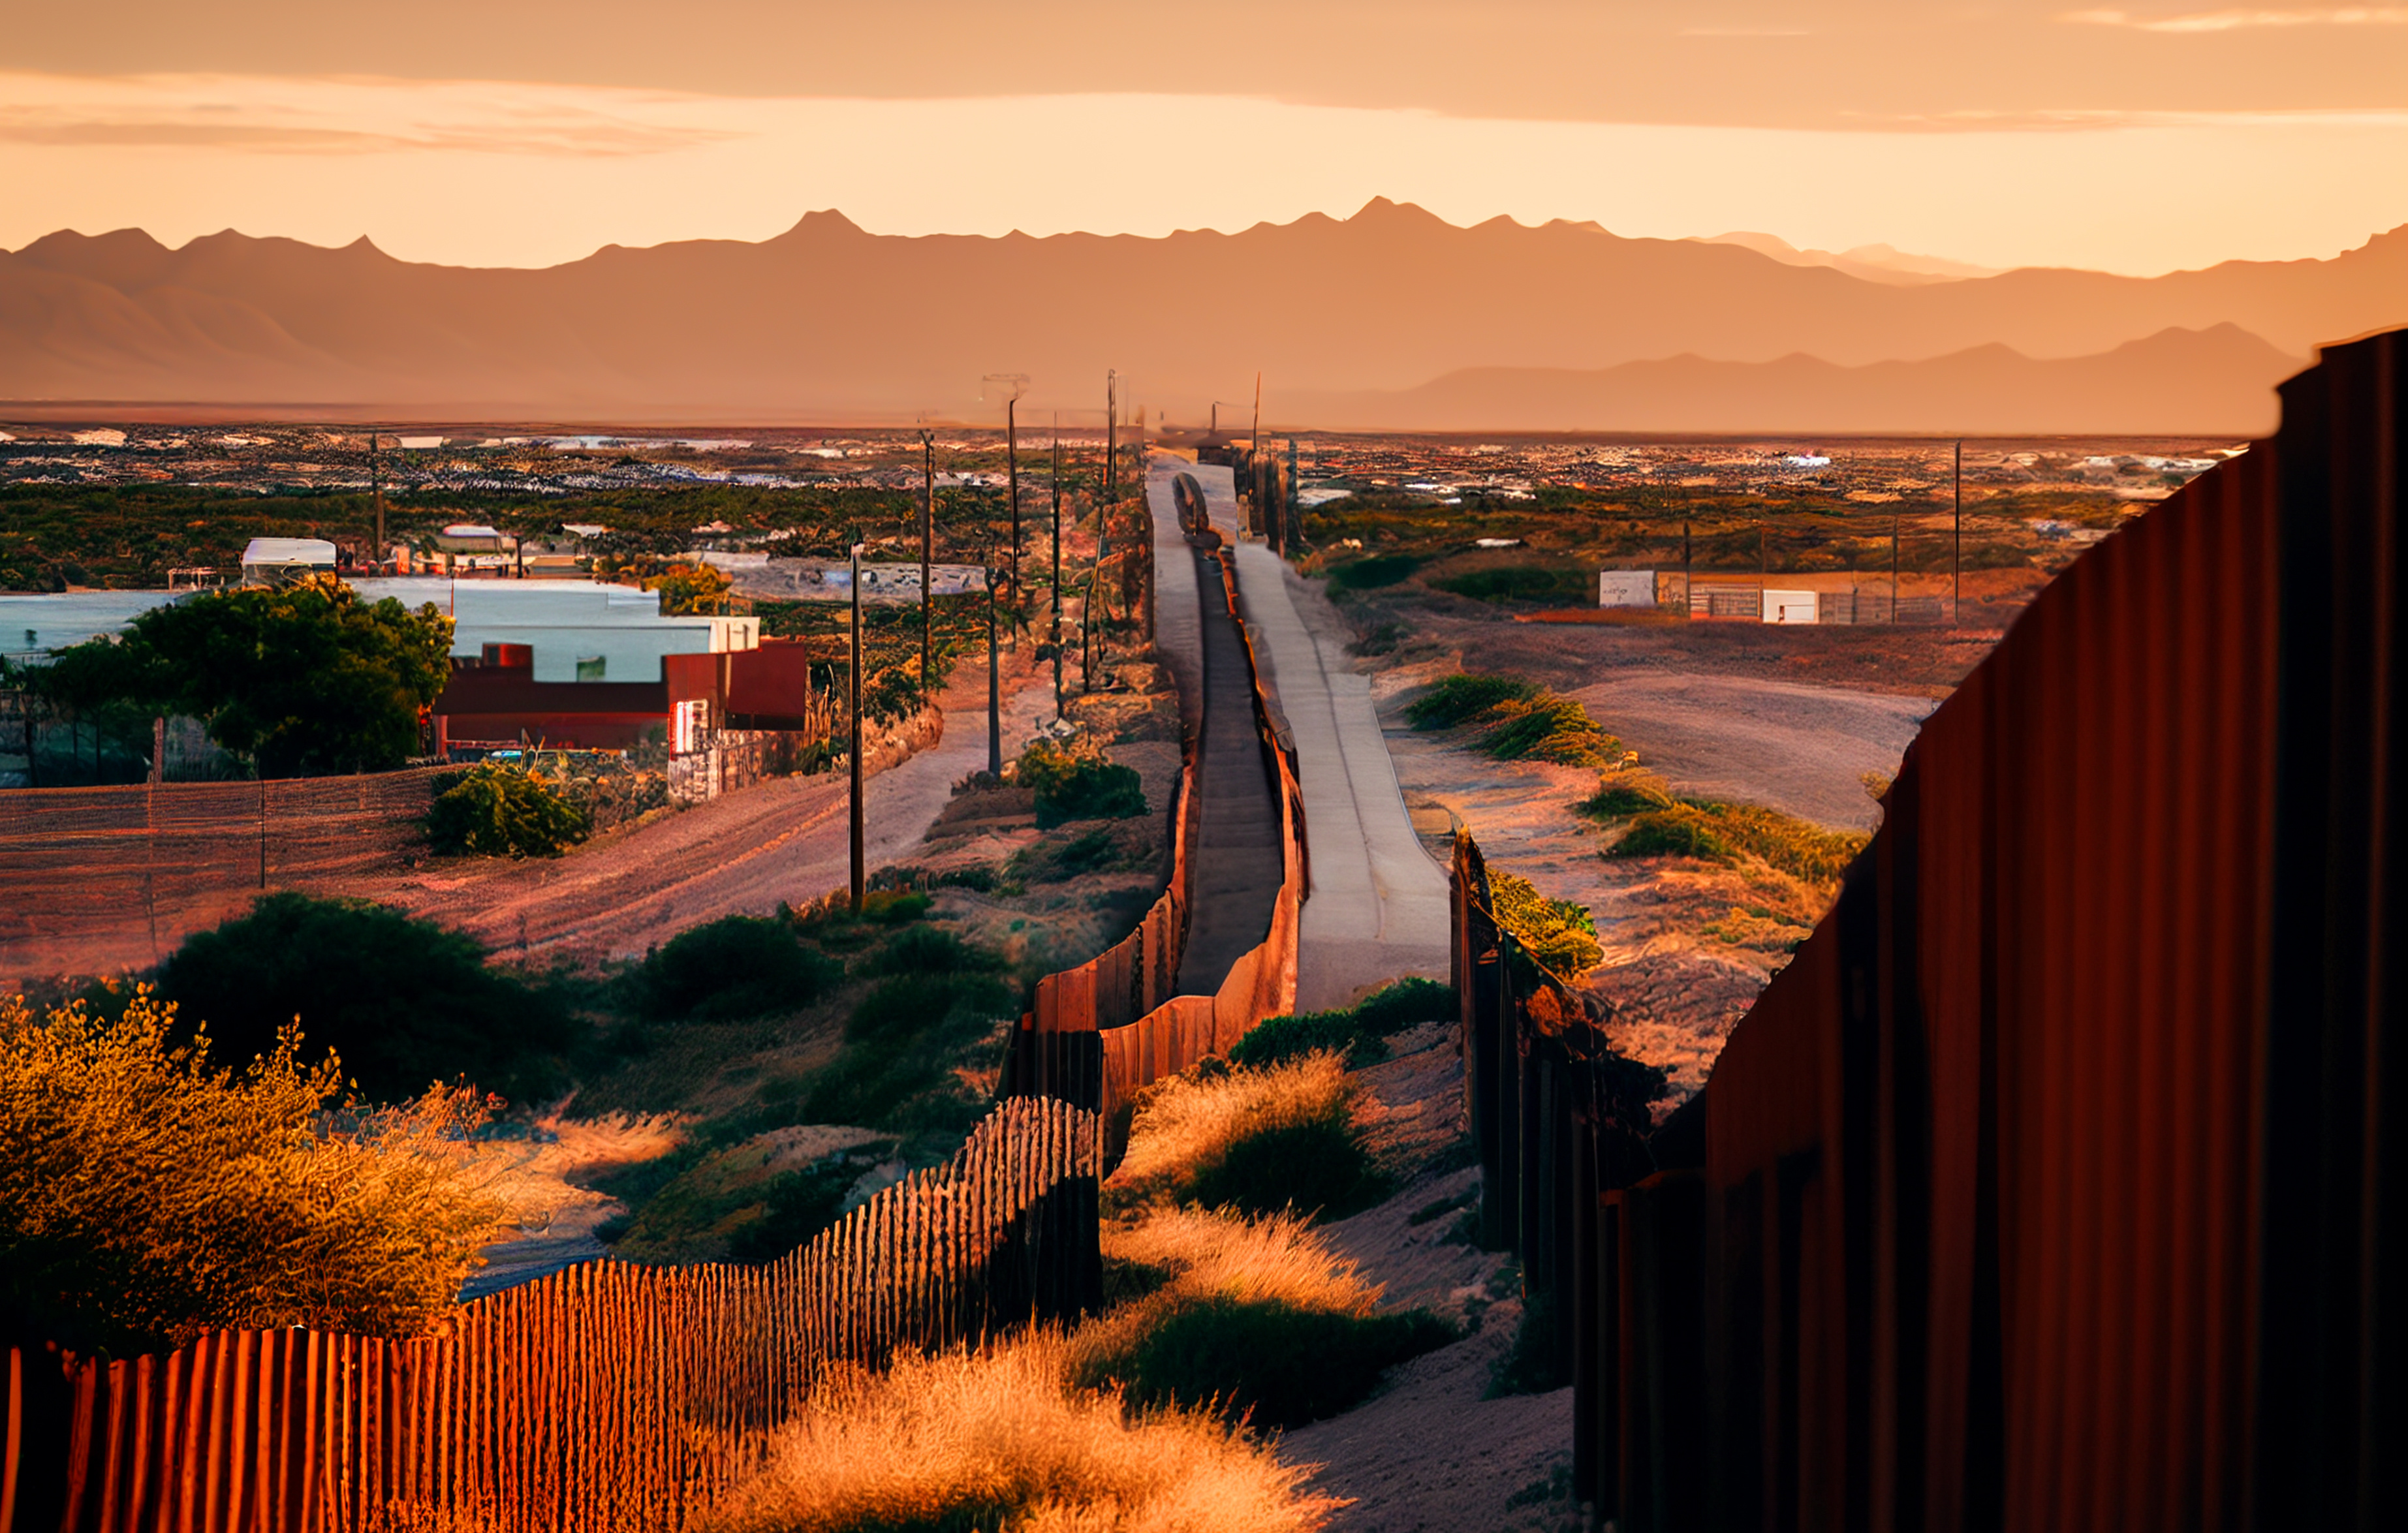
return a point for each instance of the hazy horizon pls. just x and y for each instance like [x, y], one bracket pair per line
[2155, 137]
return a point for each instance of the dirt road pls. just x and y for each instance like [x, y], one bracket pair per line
[784, 839]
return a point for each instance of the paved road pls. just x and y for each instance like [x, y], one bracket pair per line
[1236, 863]
[1378, 909]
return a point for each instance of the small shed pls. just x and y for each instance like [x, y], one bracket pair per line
[280, 561]
[1625, 588]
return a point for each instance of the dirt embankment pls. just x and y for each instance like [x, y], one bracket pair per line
[1430, 1452]
[1793, 719]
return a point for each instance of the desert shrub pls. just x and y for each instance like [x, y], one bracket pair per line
[1620, 796]
[1465, 696]
[1357, 1032]
[1275, 1364]
[722, 1204]
[1000, 1439]
[1522, 721]
[930, 950]
[500, 811]
[1524, 583]
[1712, 831]
[1671, 833]
[1275, 1039]
[1406, 1003]
[1374, 572]
[1549, 728]
[1558, 933]
[907, 1042]
[1258, 1318]
[1258, 1141]
[404, 1001]
[1079, 785]
[738, 966]
[148, 1193]
[1098, 849]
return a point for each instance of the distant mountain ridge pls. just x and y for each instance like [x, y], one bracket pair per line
[2176, 383]
[829, 322]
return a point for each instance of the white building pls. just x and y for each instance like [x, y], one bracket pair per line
[579, 630]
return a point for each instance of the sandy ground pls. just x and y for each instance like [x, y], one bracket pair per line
[788, 838]
[1426, 1453]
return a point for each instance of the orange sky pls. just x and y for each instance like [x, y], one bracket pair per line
[523, 131]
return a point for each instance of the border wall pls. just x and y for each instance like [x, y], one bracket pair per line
[2060, 1181]
[1098, 1032]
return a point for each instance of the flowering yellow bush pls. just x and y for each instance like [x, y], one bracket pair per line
[147, 1195]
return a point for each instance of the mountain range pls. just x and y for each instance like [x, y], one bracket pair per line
[1392, 317]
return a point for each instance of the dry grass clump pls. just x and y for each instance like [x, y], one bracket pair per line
[997, 1440]
[1256, 1139]
[1255, 1318]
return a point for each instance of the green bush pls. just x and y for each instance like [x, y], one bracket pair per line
[738, 966]
[500, 811]
[1554, 587]
[405, 1002]
[1374, 572]
[1357, 1032]
[904, 1043]
[930, 950]
[1407, 1002]
[1550, 728]
[1078, 786]
[1054, 859]
[1620, 798]
[1319, 1166]
[1558, 933]
[1465, 696]
[1710, 831]
[1278, 1365]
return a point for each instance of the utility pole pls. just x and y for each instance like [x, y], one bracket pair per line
[376, 489]
[1956, 598]
[1112, 430]
[1019, 383]
[1893, 566]
[859, 873]
[928, 537]
[1688, 589]
[994, 682]
[1057, 563]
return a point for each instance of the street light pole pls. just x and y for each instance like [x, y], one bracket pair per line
[927, 537]
[859, 871]
[1057, 563]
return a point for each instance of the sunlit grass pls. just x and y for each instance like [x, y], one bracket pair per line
[999, 1439]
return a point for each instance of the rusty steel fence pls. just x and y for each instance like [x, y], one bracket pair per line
[608, 1395]
[94, 879]
[1098, 1032]
[2060, 1181]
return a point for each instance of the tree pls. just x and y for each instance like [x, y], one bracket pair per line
[491, 811]
[691, 590]
[404, 1002]
[148, 1193]
[300, 679]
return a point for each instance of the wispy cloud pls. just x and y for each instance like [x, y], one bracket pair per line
[306, 116]
[2235, 21]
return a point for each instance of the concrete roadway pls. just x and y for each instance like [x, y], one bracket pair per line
[1378, 904]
